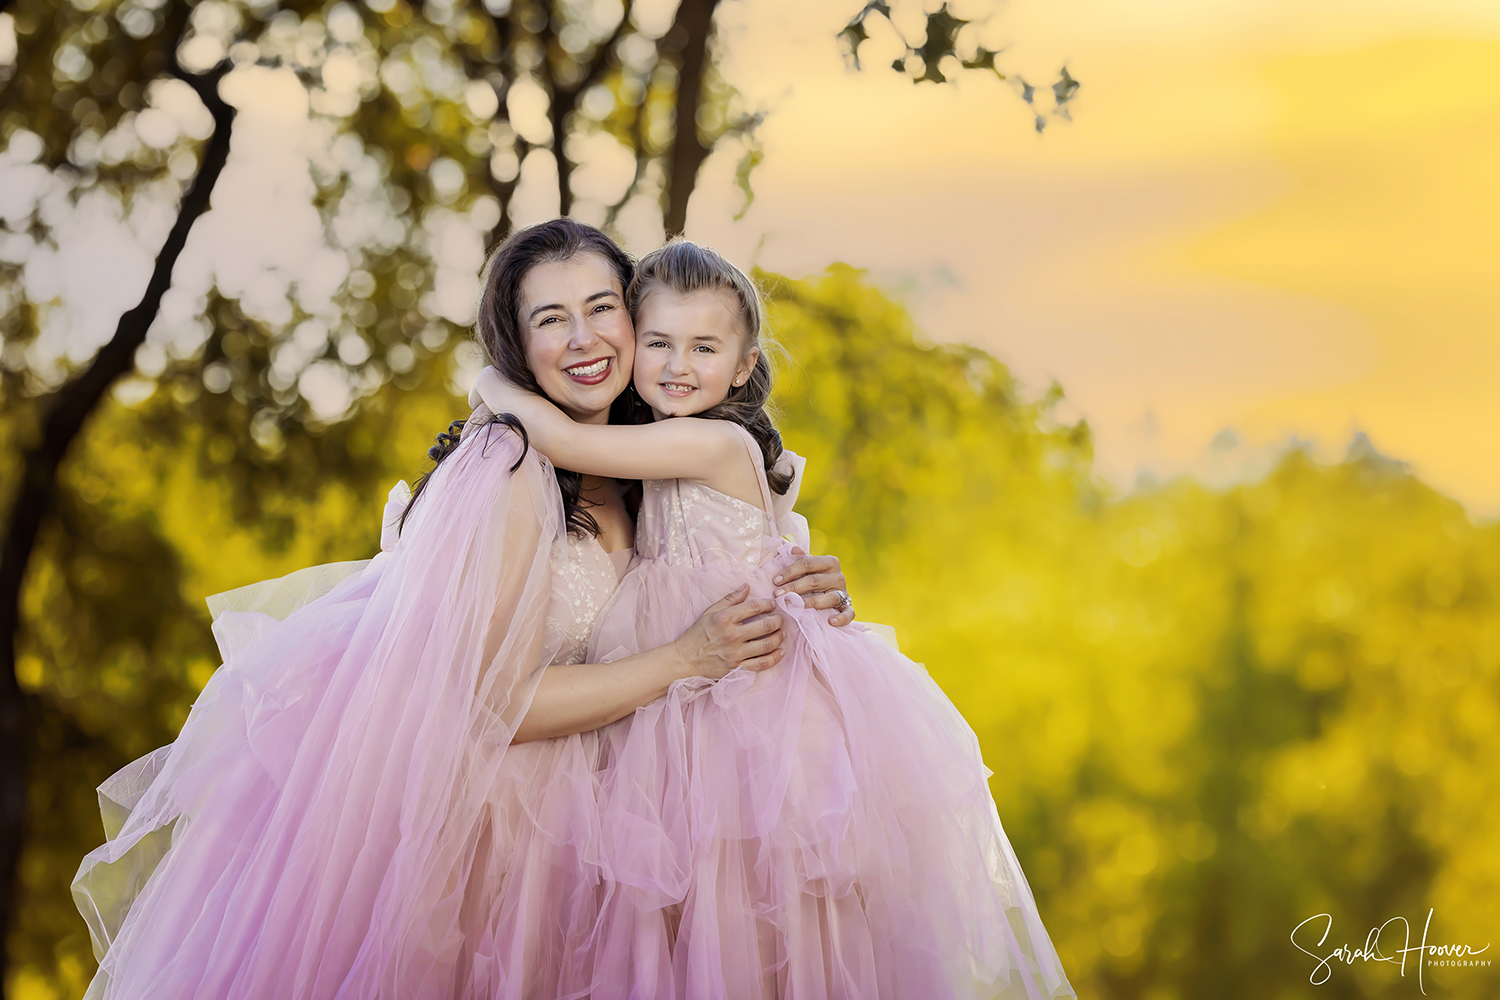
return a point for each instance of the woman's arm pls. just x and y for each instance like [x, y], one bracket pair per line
[682, 448]
[577, 697]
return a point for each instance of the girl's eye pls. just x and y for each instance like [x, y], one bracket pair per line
[657, 343]
[705, 347]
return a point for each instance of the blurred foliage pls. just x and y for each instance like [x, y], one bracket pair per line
[1210, 715]
[164, 502]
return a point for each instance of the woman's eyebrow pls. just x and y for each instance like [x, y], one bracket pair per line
[607, 293]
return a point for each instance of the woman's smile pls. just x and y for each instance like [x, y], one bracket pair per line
[590, 372]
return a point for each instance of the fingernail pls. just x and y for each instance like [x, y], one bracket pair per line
[779, 592]
[776, 579]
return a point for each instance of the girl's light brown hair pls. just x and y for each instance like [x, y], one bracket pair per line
[685, 268]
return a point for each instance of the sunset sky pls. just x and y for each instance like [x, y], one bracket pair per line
[1278, 218]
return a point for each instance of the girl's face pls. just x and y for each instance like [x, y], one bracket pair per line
[688, 351]
[580, 344]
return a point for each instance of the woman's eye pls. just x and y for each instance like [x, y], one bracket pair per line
[603, 306]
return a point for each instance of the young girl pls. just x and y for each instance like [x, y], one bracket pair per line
[823, 828]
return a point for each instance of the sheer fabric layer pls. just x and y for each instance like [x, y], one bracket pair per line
[343, 815]
[823, 829]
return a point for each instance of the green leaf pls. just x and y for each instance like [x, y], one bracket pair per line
[1064, 89]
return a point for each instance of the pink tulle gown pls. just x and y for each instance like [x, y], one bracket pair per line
[819, 830]
[343, 814]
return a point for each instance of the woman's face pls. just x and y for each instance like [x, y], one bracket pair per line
[580, 343]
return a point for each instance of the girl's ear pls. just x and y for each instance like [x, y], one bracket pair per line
[747, 365]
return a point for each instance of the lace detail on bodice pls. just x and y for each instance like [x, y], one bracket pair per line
[583, 578]
[689, 524]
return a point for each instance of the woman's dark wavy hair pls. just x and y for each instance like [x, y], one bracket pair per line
[503, 336]
[685, 267]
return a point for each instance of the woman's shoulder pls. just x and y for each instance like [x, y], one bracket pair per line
[495, 443]
[492, 465]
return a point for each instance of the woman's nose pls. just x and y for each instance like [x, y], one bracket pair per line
[581, 335]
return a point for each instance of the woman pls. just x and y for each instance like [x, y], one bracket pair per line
[383, 795]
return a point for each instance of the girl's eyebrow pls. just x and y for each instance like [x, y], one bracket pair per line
[608, 293]
[712, 338]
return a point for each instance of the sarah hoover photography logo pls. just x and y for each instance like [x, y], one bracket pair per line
[1379, 946]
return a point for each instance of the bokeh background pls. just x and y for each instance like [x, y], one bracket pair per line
[1143, 355]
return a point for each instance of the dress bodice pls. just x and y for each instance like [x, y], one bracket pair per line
[688, 524]
[583, 578]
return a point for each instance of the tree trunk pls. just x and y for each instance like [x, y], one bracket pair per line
[560, 106]
[688, 41]
[63, 416]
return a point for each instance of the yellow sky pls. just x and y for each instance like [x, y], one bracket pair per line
[1275, 217]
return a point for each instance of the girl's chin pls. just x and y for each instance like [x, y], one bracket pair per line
[663, 409]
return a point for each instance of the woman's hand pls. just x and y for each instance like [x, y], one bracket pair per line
[821, 583]
[722, 639]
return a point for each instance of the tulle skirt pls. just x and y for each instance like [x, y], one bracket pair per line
[822, 829]
[343, 814]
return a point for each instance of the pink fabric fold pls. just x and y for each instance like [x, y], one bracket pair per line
[343, 814]
[822, 830]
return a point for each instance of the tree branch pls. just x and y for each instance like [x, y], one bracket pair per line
[563, 102]
[642, 160]
[63, 415]
[600, 62]
[689, 36]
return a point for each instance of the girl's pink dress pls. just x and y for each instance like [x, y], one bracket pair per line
[343, 814]
[823, 829]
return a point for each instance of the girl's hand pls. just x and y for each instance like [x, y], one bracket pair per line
[821, 583]
[722, 639]
[494, 390]
[476, 398]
